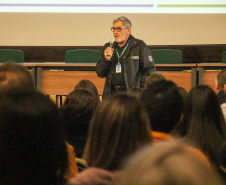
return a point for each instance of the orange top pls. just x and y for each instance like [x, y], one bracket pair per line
[160, 136]
[72, 166]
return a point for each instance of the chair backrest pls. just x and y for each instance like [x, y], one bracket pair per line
[167, 56]
[82, 56]
[14, 55]
[224, 57]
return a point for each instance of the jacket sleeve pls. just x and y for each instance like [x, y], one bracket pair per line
[103, 66]
[147, 64]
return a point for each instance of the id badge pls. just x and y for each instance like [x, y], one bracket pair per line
[118, 68]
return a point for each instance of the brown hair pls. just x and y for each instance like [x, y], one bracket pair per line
[14, 75]
[153, 77]
[136, 92]
[87, 85]
[119, 126]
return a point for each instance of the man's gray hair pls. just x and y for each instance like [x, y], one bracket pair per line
[127, 23]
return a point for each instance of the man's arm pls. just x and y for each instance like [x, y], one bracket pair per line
[104, 64]
[147, 64]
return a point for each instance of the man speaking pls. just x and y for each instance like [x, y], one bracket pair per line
[126, 64]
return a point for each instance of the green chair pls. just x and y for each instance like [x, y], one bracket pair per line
[82, 56]
[224, 57]
[14, 55]
[167, 56]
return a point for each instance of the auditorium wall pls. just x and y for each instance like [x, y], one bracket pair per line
[61, 29]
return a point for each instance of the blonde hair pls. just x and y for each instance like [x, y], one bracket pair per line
[169, 163]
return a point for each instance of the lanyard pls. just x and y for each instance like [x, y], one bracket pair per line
[122, 51]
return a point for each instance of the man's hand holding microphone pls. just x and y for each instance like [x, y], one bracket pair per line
[108, 52]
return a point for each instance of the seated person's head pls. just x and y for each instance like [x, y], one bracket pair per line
[136, 92]
[164, 105]
[33, 150]
[154, 77]
[87, 85]
[119, 127]
[203, 120]
[77, 111]
[183, 93]
[220, 80]
[168, 163]
[14, 75]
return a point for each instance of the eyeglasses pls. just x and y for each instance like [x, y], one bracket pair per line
[117, 29]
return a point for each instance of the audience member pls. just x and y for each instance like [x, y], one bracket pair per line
[14, 75]
[220, 81]
[77, 112]
[118, 128]
[87, 85]
[94, 176]
[223, 105]
[168, 163]
[178, 131]
[205, 124]
[183, 93]
[33, 150]
[164, 105]
[136, 92]
[153, 77]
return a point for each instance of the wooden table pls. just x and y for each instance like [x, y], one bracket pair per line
[184, 75]
[61, 78]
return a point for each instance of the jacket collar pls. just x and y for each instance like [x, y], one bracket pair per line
[133, 42]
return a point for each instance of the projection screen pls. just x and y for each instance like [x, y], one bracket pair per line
[116, 6]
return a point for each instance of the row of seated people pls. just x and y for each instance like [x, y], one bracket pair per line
[142, 137]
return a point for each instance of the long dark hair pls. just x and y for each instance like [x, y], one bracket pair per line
[205, 122]
[164, 105]
[32, 148]
[119, 127]
[77, 112]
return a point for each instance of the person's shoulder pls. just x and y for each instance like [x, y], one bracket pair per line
[106, 44]
[93, 175]
[138, 41]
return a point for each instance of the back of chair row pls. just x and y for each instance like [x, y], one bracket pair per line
[71, 56]
[14, 55]
[224, 57]
[170, 56]
[167, 56]
[160, 56]
[82, 56]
